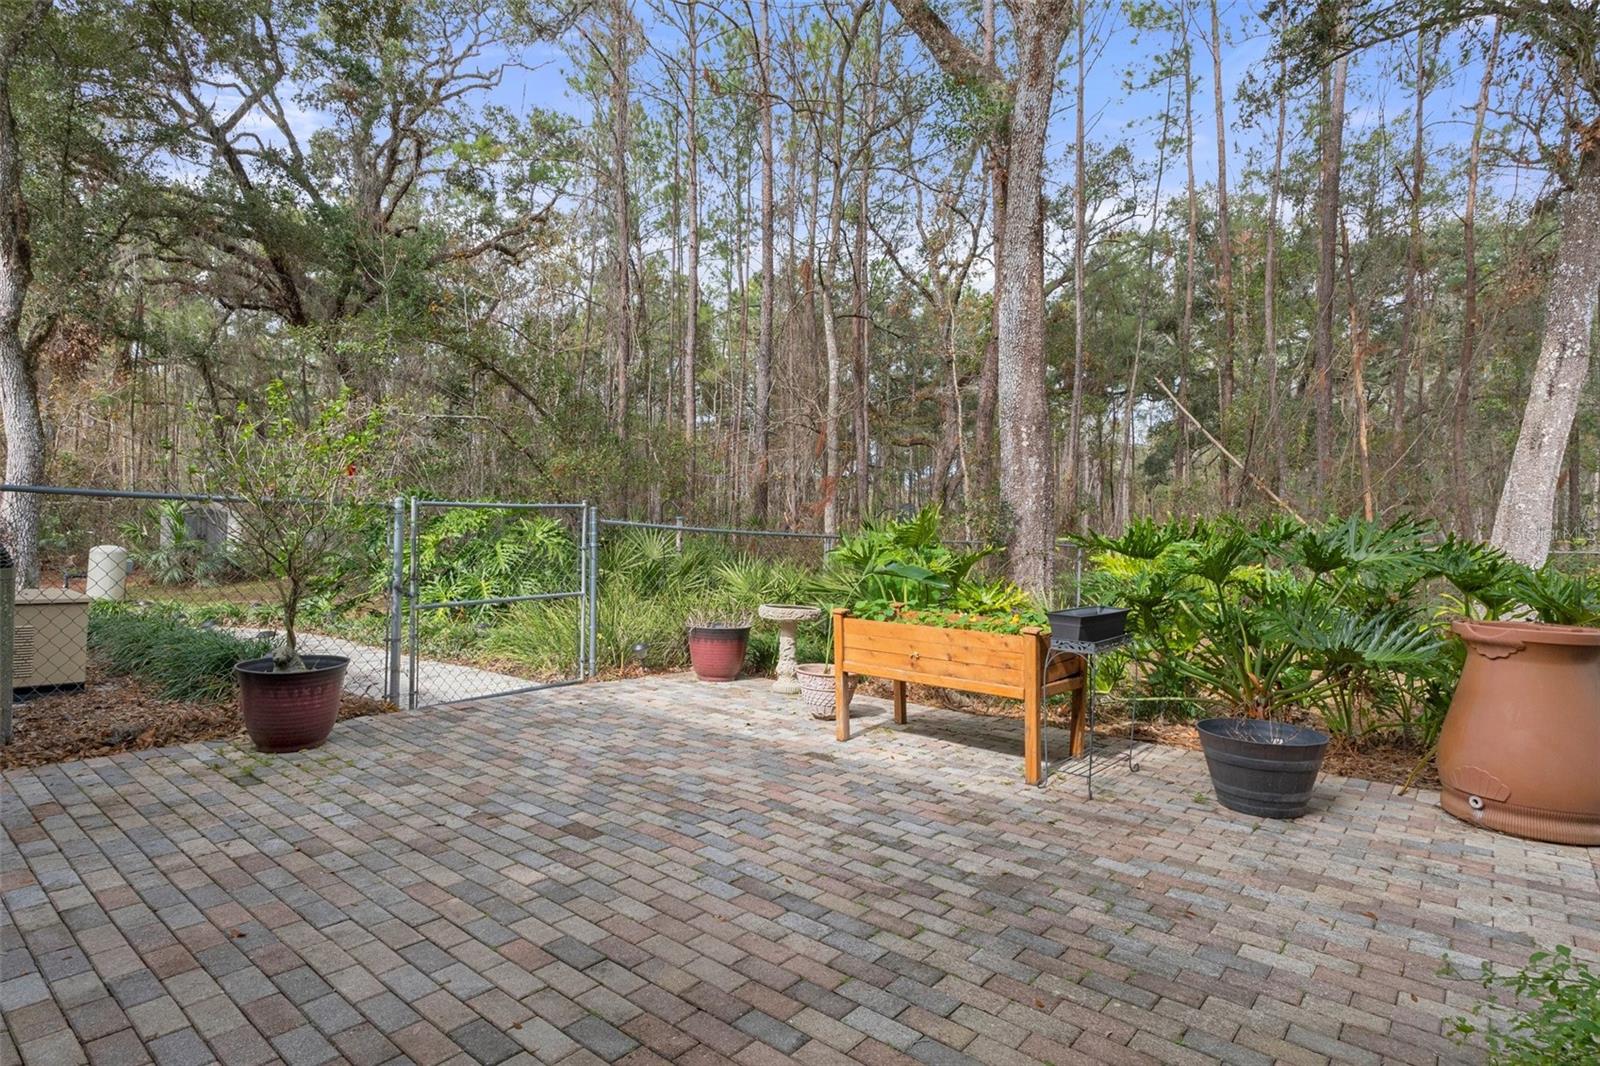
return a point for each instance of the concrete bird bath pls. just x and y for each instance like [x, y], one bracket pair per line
[788, 616]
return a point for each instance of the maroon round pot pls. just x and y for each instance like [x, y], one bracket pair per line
[717, 652]
[294, 710]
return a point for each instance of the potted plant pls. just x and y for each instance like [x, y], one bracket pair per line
[1276, 642]
[1517, 751]
[291, 483]
[817, 691]
[718, 637]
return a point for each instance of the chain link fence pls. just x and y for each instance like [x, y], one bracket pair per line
[1576, 561]
[155, 590]
[155, 596]
[432, 601]
[499, 598]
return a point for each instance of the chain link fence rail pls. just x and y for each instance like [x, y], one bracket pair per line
[433, 601]
[499, 598]
[156, 590]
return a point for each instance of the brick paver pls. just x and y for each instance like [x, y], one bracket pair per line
[661, 871]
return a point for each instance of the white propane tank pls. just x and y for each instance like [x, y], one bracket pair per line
[107, 578]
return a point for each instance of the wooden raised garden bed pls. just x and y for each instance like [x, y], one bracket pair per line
[1009, 665]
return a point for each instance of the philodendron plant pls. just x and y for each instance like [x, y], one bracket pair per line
[1290, 620]
[295, 480]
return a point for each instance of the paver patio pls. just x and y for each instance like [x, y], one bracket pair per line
[660, 870]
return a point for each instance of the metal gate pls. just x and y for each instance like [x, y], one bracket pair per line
[430, 539]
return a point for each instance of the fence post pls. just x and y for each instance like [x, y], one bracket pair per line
[581, 535]
[678, 537]
[594, 589]
[411, 697]
[8, 593]
[397, 576]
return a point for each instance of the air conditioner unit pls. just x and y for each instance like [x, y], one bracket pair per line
[50, 642]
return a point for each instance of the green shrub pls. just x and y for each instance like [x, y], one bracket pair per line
[473, 553]
[183, 660]
[901, 569]
[1563, 1025]
[1252, 620]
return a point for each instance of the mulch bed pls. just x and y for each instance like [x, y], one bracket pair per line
[114, 714]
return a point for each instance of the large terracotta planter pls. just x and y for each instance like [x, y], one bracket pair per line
[290, 711]
[1520, 747]
[717, 652]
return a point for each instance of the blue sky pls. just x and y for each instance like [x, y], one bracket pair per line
[1379, 89]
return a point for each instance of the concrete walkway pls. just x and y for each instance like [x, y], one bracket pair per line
[661, 871]
[437, 682]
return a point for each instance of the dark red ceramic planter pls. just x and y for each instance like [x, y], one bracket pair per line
[717, 652]
[290, 711]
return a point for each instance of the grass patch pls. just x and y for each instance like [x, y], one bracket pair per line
[182, 660]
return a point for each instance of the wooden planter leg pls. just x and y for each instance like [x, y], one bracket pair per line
[841, 709]
[1033, 715]
[841, 705]
[899, 703]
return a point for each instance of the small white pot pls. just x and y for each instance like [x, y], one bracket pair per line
[816, 689]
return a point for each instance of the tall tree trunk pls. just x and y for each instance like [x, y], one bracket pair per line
[862, 331]
[830, 417]
[1080, 233]
[1027, 480]
[759, 419]
[1410, 329]
[825, 270]
[691, 322]
[1269, 286]
[1359, 346]
[1184, 456]
[983, 434]
[1224, 253]
[946, 448]
[623, 316]
[1522, 524]
[1461, 486]
[1122, 509]
[19, 392]
[1327, 253]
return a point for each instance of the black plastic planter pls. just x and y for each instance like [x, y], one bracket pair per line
[1267, 769]
[1088, 625]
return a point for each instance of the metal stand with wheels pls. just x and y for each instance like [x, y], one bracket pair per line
[1089, 649]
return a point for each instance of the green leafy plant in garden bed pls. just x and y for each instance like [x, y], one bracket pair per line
[184, 660]
[473, 553]
[1563, 1024]
[1346, 617]
[901, 571]
[1260, 620]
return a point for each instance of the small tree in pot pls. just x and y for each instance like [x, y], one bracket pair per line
[293, 486]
